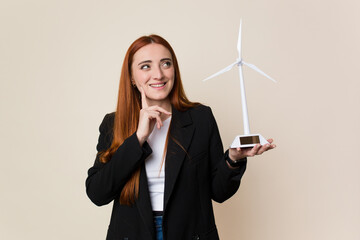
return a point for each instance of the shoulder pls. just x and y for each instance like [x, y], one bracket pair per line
[106, 132]
[198, 115]
[109, 116]
[201, 111]
[107, 124]
[204, 121]
[108, 119]
[202, 115]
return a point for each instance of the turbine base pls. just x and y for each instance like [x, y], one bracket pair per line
[248, 140]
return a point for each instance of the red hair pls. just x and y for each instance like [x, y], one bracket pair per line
[128, 109]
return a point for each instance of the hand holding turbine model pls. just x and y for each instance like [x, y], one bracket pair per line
[246, 140]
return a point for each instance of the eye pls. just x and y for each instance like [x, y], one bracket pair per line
[166, 64]
[145, 66]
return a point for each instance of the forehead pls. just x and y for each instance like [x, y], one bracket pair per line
[152, 51]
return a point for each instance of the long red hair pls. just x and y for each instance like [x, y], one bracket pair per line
[128, 110]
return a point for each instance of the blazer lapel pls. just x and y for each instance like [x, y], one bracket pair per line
[181, 132]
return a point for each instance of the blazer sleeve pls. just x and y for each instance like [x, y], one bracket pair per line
[225, 181]
[106, 180]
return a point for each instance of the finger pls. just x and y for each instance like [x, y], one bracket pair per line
[144, 103]
[155, 115]
[254, 150]
[159, 122]
[263, 149]
[257, 149]
[270, 140]
[159, 109]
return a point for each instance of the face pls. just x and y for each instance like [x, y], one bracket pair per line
[152, 69]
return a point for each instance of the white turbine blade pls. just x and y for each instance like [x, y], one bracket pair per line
[258, 70]
[239, 40]
[221, 71]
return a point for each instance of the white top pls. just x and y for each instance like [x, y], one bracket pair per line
[156, 178]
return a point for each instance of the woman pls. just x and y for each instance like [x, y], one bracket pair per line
[160, 157]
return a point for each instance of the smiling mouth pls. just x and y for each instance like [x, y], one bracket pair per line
[158, 85]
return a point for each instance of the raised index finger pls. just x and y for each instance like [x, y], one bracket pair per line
[144, 103]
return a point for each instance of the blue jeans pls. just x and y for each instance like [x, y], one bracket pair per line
[158, 227]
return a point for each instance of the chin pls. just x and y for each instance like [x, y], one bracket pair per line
[158, 97]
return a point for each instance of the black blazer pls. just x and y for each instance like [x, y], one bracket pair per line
[192, 179]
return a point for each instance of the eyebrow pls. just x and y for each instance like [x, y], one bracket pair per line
[149, 61]
[166, 59]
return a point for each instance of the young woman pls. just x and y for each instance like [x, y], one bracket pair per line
[160, 157]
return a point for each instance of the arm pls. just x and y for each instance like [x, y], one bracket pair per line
[225, 180]
[106, 180]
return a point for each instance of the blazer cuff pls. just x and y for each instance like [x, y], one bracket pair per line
[133, 146]
[239, 170]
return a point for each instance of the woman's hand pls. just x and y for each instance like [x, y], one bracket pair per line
[149, 116]
[236, 154]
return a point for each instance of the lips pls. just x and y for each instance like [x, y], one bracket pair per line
[157, 85]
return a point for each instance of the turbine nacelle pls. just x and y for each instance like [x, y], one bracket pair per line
[239, 62]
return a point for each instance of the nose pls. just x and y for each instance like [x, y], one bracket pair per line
[157, 73]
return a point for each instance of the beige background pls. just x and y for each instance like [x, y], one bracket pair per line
[60, 65]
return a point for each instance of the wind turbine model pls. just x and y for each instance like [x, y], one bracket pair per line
[246, 140]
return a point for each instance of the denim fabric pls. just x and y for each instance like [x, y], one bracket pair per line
[158, 227]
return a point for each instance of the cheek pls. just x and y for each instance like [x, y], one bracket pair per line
[170, 74]
[140, 78]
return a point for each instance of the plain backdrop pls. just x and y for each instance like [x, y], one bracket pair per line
[60, 63]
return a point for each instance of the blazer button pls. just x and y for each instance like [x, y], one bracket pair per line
[196, 237]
